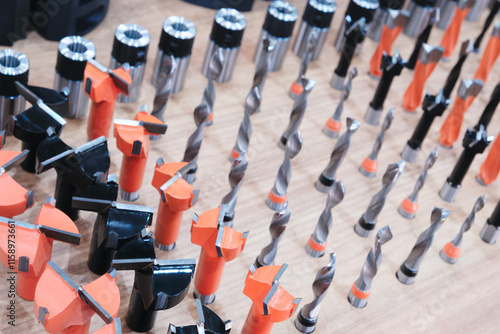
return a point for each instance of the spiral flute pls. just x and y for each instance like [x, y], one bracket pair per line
[296, 88]
[360, 290]
[236, 174]
[164, 89]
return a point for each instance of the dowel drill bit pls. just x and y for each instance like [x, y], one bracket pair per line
[276, 198]
[423, 37]
[490, 108]
[209, 323]
[276, 229]
[409, 268]
[490, 168]
[491, 229]
[327, 176]
[366, 224]
[316, 244]
[451, 251]
[296, 87]
[370, 164]
[451, 80]
[164, 90]
[409, 206]
[308, 315]
[490, 55]
[451, 34]
[235, 177]
[491, 16]
[361, 288]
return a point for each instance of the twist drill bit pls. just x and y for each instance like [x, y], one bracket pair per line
[276, 229]
[491, 229]
[369, 166]
[408, 207]
[451, 80]
[366, 224]
[308, 315]
[409, 268]
[296, 88]
[164, 90]
[451, 251]
[236, 174]
[316, 244]
[276, 198]
[360, 290]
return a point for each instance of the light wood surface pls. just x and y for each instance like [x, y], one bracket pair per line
[460, 298]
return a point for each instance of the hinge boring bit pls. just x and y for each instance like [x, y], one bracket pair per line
[491, 229]
[163, 91]
[235, 177]
[296, 88]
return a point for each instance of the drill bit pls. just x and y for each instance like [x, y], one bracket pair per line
[409, 269]
[163, 91]
[408, 207]
[368, 220]
[276, 229]
[451, 80]
[296, 88]
[369, 166]
[360, 290]
[235, 177]
[451, 251]
[327, 177]
[308, 316]
[317, 242]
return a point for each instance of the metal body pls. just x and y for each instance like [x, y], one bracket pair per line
[476, 10]
[447, 10]
[421, 12]
[491, 229]
[276, 229]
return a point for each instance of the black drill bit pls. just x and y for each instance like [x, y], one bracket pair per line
[489, 110]
[422, 38]
[493, 12]
[491, 229]
[452, 79]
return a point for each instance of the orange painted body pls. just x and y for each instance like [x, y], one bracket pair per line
[332, 125]
[370, 165]
[208, 273]
[275, 198]
[315, 246]
[450, 130]
[409, 206]
[296, 88]
[413, 95]
[452, 251]
[491, 53]
[168, 224]
[13, 197]
[450, 37]
[488, 172]
[257, 323]
[132, 173]
[387, 38]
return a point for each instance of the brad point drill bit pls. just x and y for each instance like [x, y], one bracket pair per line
[409, 205]
[490, 108]
[409, 268]
[360, 290]
[369, 166]
[308, 315]
[327, 176]
[451, 251]
[296, 88]
[491, 229]
[467, 47]
[316, 244]
[276, 198]
[163, 90]
[276, 228]
[236, 174]
[423, 37]
[366, 224]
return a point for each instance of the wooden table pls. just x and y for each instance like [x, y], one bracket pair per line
[460, 298]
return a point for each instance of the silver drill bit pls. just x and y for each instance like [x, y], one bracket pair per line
[277, 228]
[408, 208]
[360, 290]
[163, 91]
[277, 196]
[366, 224]
[451, 251]
[236, 174]
[308, 316]
[327, 177]
[369, 166]
[409, 269]
[317, 242]
[298, 111]
[296, 87]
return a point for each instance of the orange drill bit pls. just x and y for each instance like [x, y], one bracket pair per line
[488, 172]
[14, 199]
[450, 129]
[490, 54]
[450, 36]
[220, 244]
[177, 196]
[428, 57]
[271, 303]
[103, 86]
[2, 138]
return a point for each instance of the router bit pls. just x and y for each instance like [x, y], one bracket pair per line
[370, 164]
[420, 13]
[491, 16]
[491, 229]
[235, 177]
[163, 90]
[423, 37]
[276, 199]
[225, 38]
[34, 245]
[176, 196]
[451, 34]
[366, 224]
[354, 35]
[73, 53]
[490, 168]
[408, 207]
[14, 199]
[391, 66]
[62, 306]
[278, 27]
[103, 86]
[450, 129]
[327, 177]
[176, 43]
[409, 268]
[308, 315]
[276, 229]
[14, 66]
[115, 327]
[219, 244]
[451, 251]
[490, 55]
[361, 288]
[270, 302]
[316, 244]
[158, 285]
[209, 323]
[296, 87]
[383, 15]
[451, 80]
[490, 108]
[476, 11]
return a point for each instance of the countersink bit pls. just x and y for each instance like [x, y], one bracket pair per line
[370, 164]
[490, 55]
[490, 168]
[316, 244]
[409, 206]
[451, 80]
[451, 34]
[327, 176]
[163, 91]
[451, 251]
[308, 315]
[235, 177]
[366, 224]
[361, 288]
[490, 108]
[276, 199]
[296, 87]
[423, 37]
[491, 229]
[420, 14]
[409, 268]
[276, 229]
[209, 323]
[491, 16]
